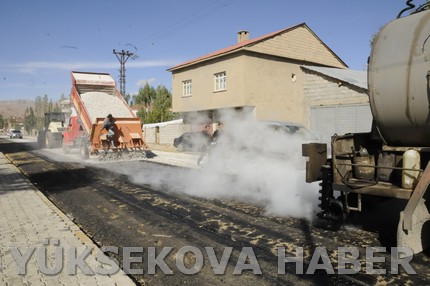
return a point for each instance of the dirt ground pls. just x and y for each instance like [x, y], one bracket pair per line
[162, 147]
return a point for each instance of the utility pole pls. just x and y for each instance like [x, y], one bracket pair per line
[123, 56]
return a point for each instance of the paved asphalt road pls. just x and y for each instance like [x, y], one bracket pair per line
[116, 209]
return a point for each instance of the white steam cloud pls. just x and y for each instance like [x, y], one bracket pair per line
[252, 162]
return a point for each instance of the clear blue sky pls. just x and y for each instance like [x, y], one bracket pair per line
[43, 40]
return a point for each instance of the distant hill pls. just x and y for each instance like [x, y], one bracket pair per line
[15, 107]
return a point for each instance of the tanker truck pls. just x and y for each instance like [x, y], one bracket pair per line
[392, 161]
[93, 97]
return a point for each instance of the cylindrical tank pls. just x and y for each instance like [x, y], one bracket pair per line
[398, 81]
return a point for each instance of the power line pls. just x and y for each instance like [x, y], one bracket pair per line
[204, 11]
[123, 56]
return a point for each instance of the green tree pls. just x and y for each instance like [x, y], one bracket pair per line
[30, 119]
[1, 121]
[45, 102]
[143, 115]
[57, 107]
[145, 96]
[161, 107]
[127, 99]
[63, 97]
[50, 106]
[163, 103]
[43, 105]
[39, 112]
[12, 121]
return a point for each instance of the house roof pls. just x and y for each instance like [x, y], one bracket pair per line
[248, 43]
[355, 77]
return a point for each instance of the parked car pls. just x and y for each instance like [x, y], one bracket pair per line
[265, 139]
[191, 141]
[292, 129]
[15, 134]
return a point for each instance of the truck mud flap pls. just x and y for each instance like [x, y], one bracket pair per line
[415, 238]
[413, 230]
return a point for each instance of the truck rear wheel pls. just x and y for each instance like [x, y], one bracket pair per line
[41, 139]
[65, 147]
[48, 140]
[84, 152]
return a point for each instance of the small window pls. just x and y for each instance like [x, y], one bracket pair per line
[187, 88]
[220, 81]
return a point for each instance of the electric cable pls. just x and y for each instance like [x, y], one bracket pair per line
[213, 7]
[411, 6]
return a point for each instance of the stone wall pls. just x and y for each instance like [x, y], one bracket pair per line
[321, 90]
[164, 133]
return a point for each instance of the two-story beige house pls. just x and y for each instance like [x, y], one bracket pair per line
[261, 75]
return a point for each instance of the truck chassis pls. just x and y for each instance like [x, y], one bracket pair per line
[349, 179]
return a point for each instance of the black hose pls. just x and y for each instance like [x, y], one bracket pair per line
[422, 7]
[357, 184]
[411, 6]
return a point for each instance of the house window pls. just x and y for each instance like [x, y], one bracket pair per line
[187, 87]
[220, 81]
